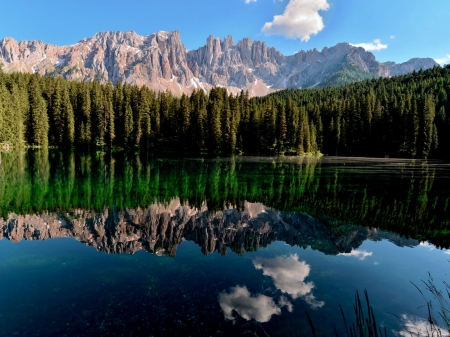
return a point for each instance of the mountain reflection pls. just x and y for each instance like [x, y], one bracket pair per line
[403, 196]
[159, 229]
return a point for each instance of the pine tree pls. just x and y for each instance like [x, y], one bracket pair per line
[413, 129]
[235, 121]
[146, 98]
[38, 127]
[292, 122]
[185, 123]
[270, 127]
[83, 129]
[4, 103]
[199, 127]
[215, 106]
[426, 126]
[128, 124]
[313, 138]
[54, 104]
[109, 115]
[226, 124]
[97, 114]
[281, 127]
[118, 102]
[67, 119]
[11, 115]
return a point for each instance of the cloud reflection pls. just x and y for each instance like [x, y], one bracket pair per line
[285, 302]
[416, 326]
[288, 275]
[360, 254]
[258, 307]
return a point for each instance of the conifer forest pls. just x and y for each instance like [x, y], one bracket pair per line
[405, 116]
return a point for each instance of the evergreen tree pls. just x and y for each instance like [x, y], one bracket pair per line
[128, 124]
[426, 126]
[68, 120]
[83, 122]
[38, 127]
[401, 116]
[97, 114]
[185, 112]
[54, 104]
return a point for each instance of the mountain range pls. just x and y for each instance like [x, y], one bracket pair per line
[162, 62]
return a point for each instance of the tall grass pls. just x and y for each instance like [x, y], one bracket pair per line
[364, 324]
[437, 307]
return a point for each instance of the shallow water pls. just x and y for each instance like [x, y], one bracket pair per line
[110, 245]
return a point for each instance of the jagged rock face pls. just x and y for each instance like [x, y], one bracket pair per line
[157, 60]
[161, 62]
[160, 229]
[409, 66]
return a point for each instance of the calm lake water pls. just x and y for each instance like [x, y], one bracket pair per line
[125, 245]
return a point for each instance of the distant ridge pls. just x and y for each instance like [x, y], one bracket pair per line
[162, 62]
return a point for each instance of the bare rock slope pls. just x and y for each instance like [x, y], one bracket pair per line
[162, 62]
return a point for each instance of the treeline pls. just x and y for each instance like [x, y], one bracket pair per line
[407, 116]
[404, 116]
[48, 111]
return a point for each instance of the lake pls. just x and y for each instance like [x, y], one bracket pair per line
[113, 244]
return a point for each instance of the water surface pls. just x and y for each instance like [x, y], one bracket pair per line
[115, 245]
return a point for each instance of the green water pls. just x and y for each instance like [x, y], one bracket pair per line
[109, 244]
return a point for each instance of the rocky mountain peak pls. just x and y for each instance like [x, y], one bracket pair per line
[161, 61]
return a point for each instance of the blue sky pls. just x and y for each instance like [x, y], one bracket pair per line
[399, 29]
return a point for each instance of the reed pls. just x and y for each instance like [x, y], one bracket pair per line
[440, 300]
[364, 324]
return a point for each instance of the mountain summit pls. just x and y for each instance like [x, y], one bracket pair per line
[162, 62]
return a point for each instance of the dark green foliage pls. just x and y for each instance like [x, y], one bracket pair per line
[348, 74]
[405, 116]
[96, 115]
[38, 125]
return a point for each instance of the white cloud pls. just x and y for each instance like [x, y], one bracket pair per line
[360, 254]
[416, 326]
[288, 275]
[248, 1]
[427, 245]
[392, 36]
[300, 19]
[444, 60]
[285, 302]
[258, 307]
[370, 46]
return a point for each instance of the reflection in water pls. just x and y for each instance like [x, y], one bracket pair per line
[403, 196]
[288, 275]
[258, 307]
[418, 327]
[159, 229]
[359, 254]
[121, 204]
